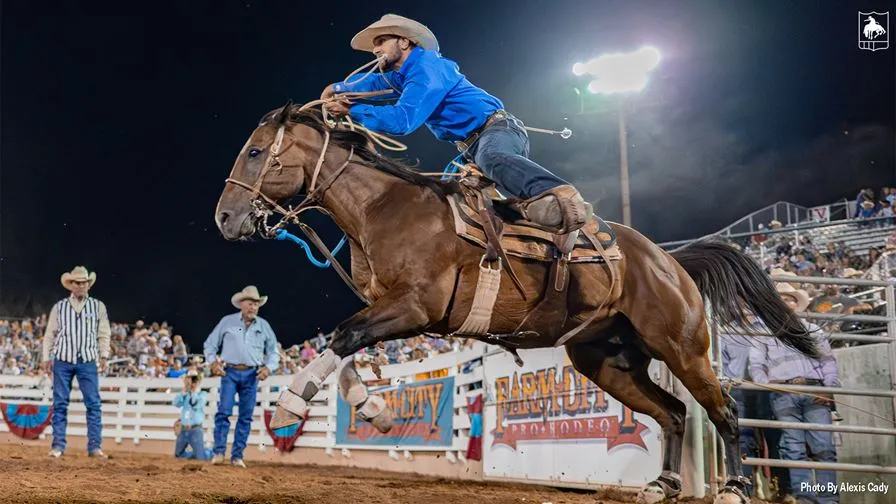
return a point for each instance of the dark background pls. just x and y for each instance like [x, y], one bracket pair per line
[120, 123]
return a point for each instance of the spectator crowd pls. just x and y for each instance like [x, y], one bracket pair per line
[154, 351]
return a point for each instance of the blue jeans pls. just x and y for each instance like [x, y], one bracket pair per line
[749, 445]
[502, 153]
[193, 439]
[63, 373]
[244, 383]
[793, 443]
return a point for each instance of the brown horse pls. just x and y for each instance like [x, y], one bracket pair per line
[421, 277]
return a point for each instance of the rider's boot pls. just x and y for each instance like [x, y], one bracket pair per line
[560, 210]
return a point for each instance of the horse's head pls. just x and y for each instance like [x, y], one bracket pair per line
[293, 150]
[268, 169]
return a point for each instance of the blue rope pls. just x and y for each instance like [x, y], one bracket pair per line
[452, 168]
[282, 234]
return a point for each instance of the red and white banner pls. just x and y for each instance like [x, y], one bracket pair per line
[545, 421]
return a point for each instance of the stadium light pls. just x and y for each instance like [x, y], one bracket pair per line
[620, 73]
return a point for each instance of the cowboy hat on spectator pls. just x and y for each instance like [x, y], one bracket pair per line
[775, 223]
[393, 24]
[890, 244]
[782, 272]
[248, 292]
[79, 274]
[851, 273]
[798, 295]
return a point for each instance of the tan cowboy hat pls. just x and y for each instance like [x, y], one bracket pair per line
[783, 272]
[393, 24]
[890, 243]
[249, 292]
[79, 274]
[799, 295]
[774, 223]
[851, 273]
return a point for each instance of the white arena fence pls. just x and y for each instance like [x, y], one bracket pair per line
[542, 423]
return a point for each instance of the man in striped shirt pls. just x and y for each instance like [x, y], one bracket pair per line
[78, 335]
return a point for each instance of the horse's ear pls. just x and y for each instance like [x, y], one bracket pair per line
[285, 113]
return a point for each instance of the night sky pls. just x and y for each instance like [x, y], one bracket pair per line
[120, 123]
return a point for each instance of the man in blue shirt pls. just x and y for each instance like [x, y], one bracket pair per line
[248, 349]
[192, 403]
[430, 90]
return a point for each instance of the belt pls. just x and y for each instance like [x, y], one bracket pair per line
[191, 427]
[500, 115]
[799, 381]
[241, 367]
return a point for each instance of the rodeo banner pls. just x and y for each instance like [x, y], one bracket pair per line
[423, 412]
[546, 421]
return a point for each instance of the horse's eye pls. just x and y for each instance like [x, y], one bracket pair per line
[254, 152]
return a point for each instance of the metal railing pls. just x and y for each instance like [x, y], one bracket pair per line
[739, 230]
[717, 470]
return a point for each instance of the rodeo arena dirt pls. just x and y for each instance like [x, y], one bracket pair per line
[143, 478]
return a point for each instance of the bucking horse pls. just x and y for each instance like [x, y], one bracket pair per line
[429, 256]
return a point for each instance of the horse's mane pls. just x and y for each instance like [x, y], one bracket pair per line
[360, 142]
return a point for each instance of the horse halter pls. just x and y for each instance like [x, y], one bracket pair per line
[263, 205]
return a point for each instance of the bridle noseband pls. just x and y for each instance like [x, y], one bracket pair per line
[264, 206]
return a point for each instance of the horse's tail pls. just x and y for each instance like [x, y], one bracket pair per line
[732, 282]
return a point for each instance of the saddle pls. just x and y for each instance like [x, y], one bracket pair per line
[522, 238]
[485, 219]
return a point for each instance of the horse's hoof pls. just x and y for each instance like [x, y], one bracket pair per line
[283, 418]
[731, 495]
[651, 494]
[383, 422]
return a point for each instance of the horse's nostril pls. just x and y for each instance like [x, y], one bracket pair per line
[223, 216]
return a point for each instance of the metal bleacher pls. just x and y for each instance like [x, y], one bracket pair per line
[830, 223]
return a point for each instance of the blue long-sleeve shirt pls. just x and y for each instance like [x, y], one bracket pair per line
[255, 345]
[192, 407]
[431, 91]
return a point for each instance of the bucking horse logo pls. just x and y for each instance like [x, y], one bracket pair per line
[873, 30]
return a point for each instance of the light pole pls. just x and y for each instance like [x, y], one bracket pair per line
[620, 74]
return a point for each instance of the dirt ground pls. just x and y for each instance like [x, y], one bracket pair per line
[30, 477]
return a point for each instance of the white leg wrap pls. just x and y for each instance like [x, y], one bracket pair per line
[292, 403]
[308, 381]
[371, 408]
[351, 387]
[374, 410]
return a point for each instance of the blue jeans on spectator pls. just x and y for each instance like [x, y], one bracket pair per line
[502, 153]
[193, 439]
[244, 383]
[749, 445]
[793, 443]
[88, 382]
